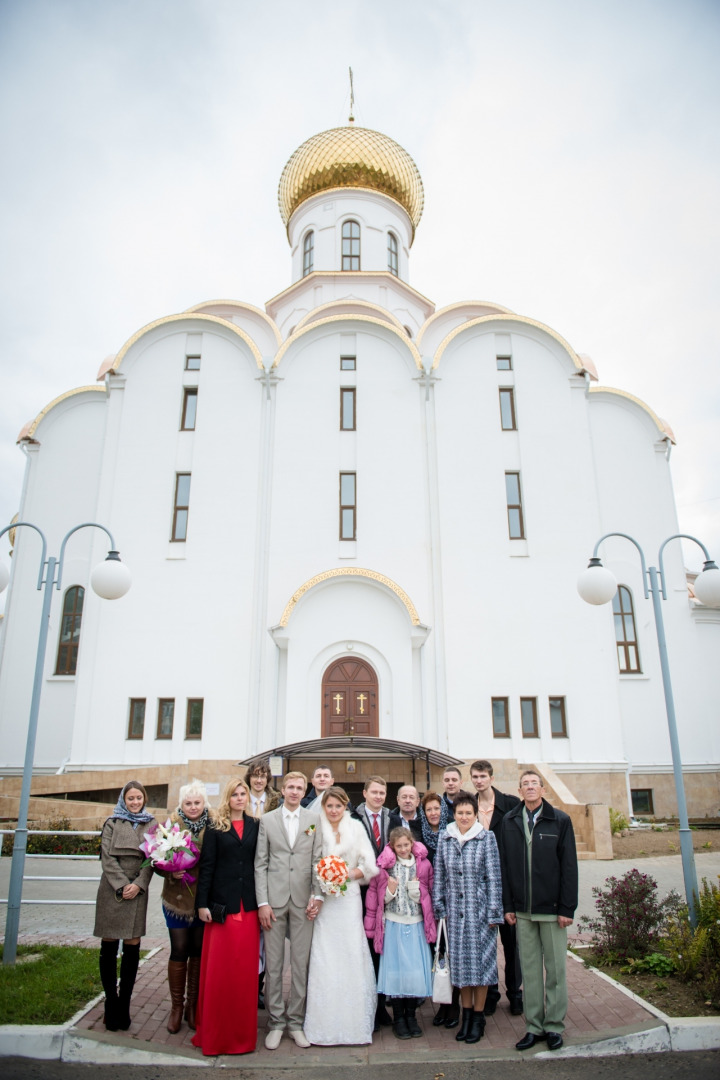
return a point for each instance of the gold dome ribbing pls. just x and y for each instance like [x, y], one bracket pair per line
[351, 157]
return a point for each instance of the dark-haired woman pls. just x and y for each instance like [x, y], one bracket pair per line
[121, 906]
[467, 893]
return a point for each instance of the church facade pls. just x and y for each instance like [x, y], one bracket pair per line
[352, 513]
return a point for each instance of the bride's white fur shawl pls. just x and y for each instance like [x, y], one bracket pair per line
[354, 847]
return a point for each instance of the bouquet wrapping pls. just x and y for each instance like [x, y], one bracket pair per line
[171, 849]
[333, 874]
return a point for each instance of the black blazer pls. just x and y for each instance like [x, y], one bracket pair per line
[384, 825]
[554, 868]
[227, 868]
[396, 822]
[503, 804]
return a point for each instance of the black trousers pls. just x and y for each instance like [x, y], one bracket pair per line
[513, 974]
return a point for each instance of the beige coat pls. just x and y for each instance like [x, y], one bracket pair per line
[121, 858]
[177, 897]
[284, 873]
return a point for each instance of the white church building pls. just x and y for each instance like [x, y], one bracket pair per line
[351, 516]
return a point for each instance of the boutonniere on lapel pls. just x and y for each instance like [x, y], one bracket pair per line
[310, 830]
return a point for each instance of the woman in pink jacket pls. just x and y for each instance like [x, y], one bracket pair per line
[399, 919]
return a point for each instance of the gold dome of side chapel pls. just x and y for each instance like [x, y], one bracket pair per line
[351, 157]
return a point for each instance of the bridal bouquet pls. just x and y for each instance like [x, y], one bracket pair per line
[171, 849]
[333, 874]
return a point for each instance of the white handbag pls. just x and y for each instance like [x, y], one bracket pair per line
[442, 990]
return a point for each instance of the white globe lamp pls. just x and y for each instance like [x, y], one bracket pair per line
[111, 579]
[707, 585]
[596, 584]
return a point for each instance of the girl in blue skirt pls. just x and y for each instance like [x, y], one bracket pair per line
[399, 919]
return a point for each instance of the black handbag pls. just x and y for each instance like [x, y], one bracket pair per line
[218, 913]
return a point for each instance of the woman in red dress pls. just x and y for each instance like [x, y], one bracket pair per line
[227, 1002]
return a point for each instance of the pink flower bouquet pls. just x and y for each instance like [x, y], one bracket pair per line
[171, 849]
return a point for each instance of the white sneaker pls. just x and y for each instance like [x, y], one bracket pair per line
[300, 1038]
[274, 1038]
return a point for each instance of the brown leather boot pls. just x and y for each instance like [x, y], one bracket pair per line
[193, 985]
[177, 970]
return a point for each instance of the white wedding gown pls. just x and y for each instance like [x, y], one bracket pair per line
[342, 994]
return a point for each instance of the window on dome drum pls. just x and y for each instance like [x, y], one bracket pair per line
[504, 363]
[136, 721]
[308, 253]
[516, 525]
[165, 718]
[194, 719]
[392, 254]
[558, 723]
[625, 632]
[181, 506]
[642, 800]
[350, 245]
[347, 363]
[189, 410]
[347, 408]
[528, 717]
[501, 717]
[348, 506]
[69, 641]
[192, 363]
[507, 409]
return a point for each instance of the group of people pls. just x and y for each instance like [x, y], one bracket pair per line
[480, 860]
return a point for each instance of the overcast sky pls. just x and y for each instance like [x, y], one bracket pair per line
[569, 151]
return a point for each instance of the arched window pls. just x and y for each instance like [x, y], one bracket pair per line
[625, 633]
[308, 253]
[392, 254]
[70, 631]
[350, 245]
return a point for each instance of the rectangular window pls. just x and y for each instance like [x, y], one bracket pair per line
[501, 717]
[558, 721]
[348, 506]
[192, 363]
[642, 800]
[136, 721]
[347, 363]
[194, 719]
[516, 525]
[347, 409]
[504, 363]
[166, 715]
[528, 715]
[507, 409]
[181, 506]
[189, 410]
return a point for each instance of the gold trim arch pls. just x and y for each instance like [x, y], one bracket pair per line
[29, 430]
[484, 320]
[449, 308]
[332, 319]
[241, 306]
[662, 425]
[185, 316]
[383, 315]
[350, 571]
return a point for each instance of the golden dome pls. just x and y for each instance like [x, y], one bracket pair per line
[351, 157]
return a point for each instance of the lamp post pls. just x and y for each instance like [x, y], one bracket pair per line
[597, 585]
[110, 579]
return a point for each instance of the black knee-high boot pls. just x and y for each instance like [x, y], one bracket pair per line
[108, 977]
[128, 971]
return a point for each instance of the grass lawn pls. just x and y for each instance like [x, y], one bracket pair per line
[48, 984]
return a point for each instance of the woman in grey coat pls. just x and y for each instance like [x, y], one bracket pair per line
[467, 893]
[122, 900]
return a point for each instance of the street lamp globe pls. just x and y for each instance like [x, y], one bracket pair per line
[707, 585]
[111, 579]
[596, 584]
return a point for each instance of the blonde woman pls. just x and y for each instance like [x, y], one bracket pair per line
[178, 904]
[227, 1004]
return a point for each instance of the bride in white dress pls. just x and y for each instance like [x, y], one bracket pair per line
[342, 994]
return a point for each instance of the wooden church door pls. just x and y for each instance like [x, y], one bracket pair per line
[349, 699]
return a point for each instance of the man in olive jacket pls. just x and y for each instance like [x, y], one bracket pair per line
[540, 895]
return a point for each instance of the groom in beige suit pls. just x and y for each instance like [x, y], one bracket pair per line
[288, 849]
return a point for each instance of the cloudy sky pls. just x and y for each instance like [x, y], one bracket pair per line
[569, 151]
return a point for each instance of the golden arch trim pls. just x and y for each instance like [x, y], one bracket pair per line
[350, 571]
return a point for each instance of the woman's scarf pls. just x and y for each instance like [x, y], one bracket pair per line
[196, 826]
[430, 838]
[122, 813]
[462, 838]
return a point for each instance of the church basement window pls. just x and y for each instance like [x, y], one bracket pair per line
[347, 408]
[507, 409]
[136, 721]
[189, 410]
[69, 642]
[501, 717]
[516, 525]
[558, 719]
[194, 718]
[165, 718]
[348, 506]
[181, 506]
[350, 245]
[528, 717]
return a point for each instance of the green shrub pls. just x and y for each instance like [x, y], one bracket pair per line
[618, 822]
[696, 953]
[58, 844]
[654, 964]
[630, 918]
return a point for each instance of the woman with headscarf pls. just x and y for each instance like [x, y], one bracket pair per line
[433, 816]
[121, 905]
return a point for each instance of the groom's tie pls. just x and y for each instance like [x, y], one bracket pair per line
[376, 829]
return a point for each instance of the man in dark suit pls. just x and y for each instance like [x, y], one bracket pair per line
[452, 784]
[374, 817]
[493, 805]
[407, 816]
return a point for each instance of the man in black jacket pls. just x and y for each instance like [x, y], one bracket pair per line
[493, 805]
[407, 816]
[540, 895]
